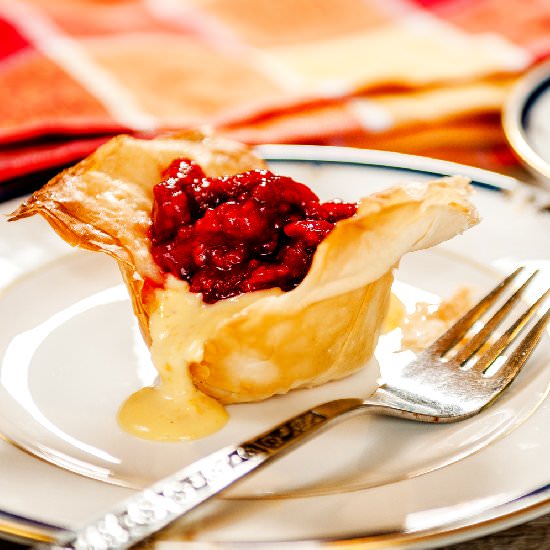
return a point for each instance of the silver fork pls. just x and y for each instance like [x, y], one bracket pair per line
[441, 385]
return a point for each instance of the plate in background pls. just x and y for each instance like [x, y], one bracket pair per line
[397, 511]
[526, 121]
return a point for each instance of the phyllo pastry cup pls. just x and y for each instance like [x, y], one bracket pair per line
[266, 342]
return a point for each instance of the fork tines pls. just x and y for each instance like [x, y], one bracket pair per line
[458, 331]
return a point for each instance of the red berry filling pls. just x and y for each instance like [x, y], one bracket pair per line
[236, 234]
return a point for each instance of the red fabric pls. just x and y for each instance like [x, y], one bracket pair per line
[23, 160]
[74, 72]
[12, 40]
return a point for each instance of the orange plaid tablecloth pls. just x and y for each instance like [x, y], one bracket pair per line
[425, 77]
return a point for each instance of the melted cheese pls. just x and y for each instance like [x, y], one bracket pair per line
[395, 315]
[179, 325]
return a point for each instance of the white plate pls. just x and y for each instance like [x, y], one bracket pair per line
[70, 353]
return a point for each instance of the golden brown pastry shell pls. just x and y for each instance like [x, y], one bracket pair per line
[324, 329]
[323, 341]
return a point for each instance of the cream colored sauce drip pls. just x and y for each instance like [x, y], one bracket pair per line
[395, 315]
[175, 409]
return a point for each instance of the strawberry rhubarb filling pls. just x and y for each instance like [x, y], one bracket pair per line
[230, 235]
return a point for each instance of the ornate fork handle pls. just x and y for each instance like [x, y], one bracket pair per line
[148, 512]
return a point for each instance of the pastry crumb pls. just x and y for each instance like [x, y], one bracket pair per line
[429, 321]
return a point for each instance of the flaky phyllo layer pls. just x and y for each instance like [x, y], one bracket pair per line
[258, 344]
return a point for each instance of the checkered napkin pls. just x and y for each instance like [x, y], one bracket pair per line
[425, 76]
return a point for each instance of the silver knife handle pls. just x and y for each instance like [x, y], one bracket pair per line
[149, 511]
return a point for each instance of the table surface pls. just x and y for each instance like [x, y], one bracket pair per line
[533, 535]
